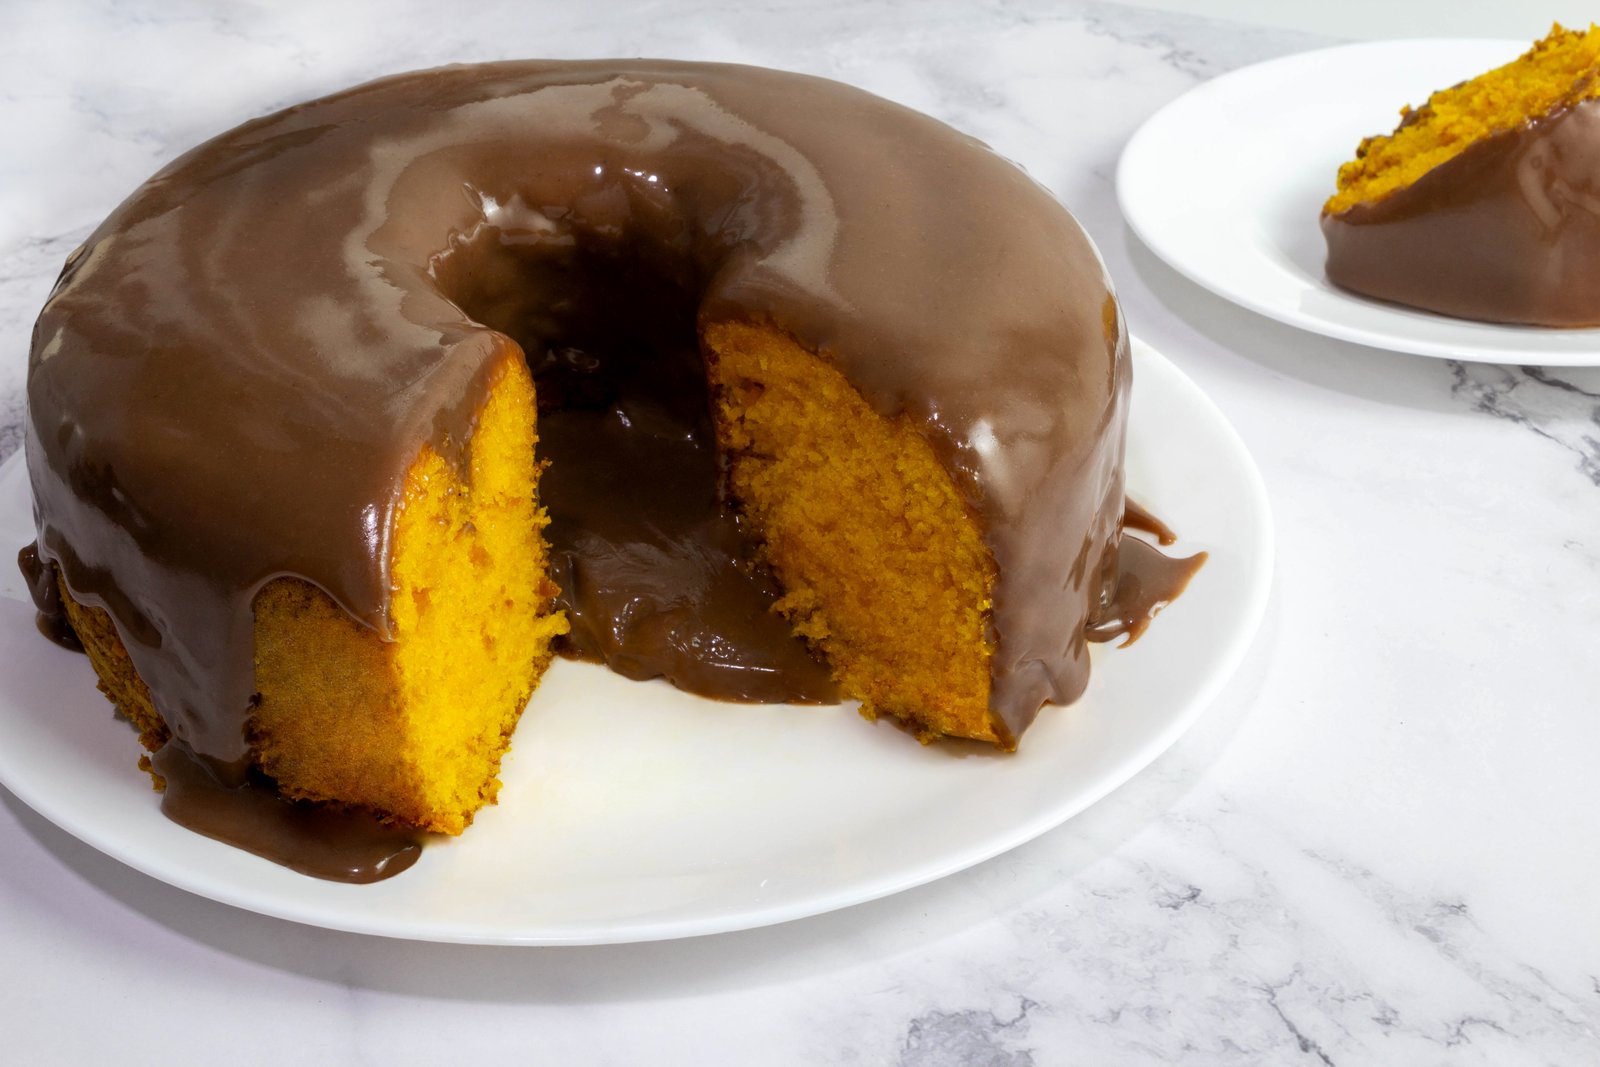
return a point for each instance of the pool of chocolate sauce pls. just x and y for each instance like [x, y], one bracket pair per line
[1147, 578]
[322, 840]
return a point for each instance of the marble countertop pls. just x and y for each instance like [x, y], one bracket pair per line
[1380, 846]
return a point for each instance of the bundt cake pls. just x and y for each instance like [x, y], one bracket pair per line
[1485, 202]
[781, 345]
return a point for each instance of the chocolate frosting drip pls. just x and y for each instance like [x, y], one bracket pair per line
[51, 617]
[235, 370]
[1507, 231]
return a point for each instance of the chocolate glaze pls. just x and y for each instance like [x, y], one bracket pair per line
[268, 300]
[234, 371]
[317, 839]
[1507, 231]
[51, 614]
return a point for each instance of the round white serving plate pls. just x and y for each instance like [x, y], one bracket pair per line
[1227, 182]
[634, 812]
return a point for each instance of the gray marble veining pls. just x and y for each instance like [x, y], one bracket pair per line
[1561, 406]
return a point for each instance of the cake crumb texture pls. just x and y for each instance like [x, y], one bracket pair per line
[881, 562]
[1559, 71]
[424, 719]
[114, 671]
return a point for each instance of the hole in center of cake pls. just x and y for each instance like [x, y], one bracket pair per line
[658, 578]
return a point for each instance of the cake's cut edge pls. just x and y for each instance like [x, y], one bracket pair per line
[882, 564]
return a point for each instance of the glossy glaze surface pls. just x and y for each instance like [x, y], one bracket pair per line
[309, 291]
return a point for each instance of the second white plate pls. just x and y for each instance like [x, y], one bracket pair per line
[632, 811]
[1226, 184]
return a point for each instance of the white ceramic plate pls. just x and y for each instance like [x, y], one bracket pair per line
[633, 812]
[1226, 184]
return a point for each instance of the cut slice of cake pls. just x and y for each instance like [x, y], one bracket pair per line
[1484, 203]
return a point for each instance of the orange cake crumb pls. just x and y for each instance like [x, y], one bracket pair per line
[882, 565]
[1557, 72]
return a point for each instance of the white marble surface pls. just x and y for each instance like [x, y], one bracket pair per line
[1380, 847]
[1388, 20]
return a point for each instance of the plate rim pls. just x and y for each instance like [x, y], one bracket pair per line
[1139, 146]
[205, 882]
